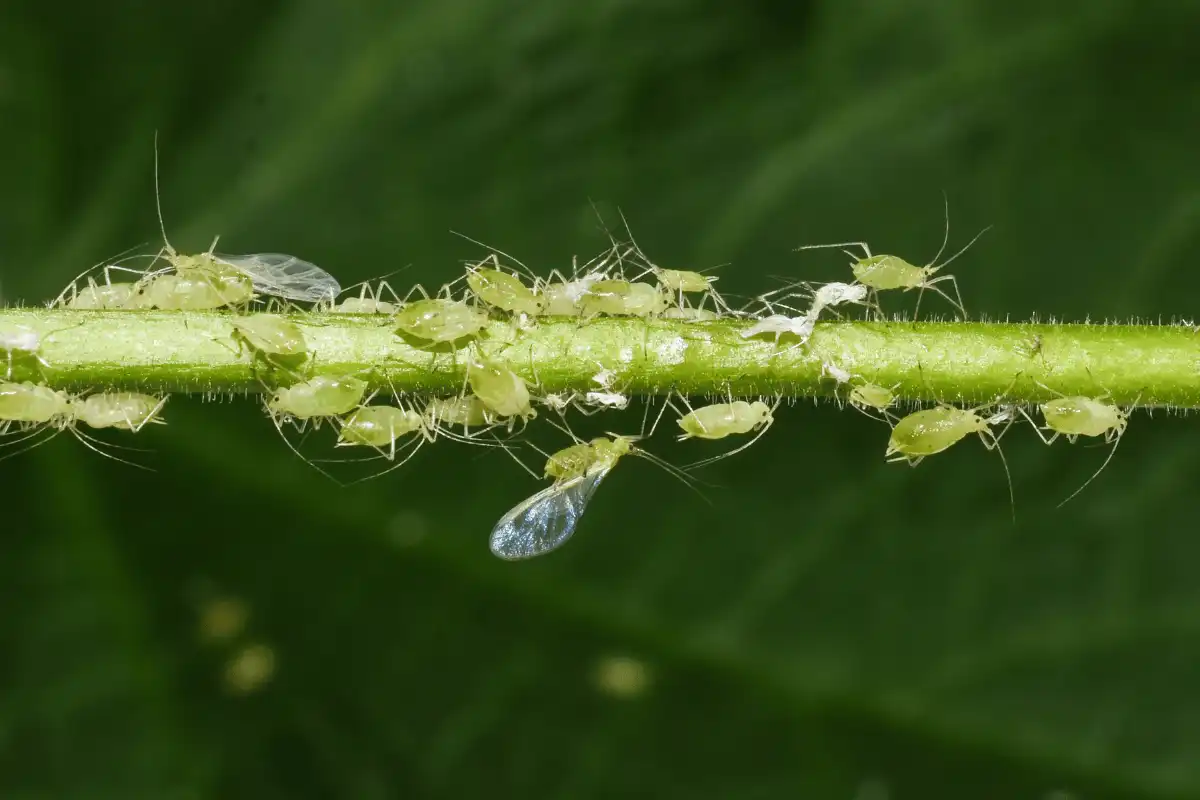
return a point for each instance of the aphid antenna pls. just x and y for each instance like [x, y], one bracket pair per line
[995, 445]
[24, 435]
[158, 205]
[862, 245]
[105, 265]
[279, 427]
[529, 273]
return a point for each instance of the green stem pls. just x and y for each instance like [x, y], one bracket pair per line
[968, 362]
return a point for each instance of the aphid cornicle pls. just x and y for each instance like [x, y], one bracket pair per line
[319, 396]
[546, 520]
[440, 320]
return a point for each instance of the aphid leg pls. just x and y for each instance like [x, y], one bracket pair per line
[25, 438]
[95, 445]
[929, 284]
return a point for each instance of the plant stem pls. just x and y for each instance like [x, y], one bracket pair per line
[965, 362]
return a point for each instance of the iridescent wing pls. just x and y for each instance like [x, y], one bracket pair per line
[546, 520]
[281, 275]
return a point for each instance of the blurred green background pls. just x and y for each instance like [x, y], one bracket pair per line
[830, 627]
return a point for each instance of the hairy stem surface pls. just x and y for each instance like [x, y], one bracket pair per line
[962, 362]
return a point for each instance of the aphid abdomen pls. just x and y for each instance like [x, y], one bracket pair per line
[29, 402]
[505, 292]
[271, 334]
[924, 433]
[644, 300]
[606, 297]
[500, 389]
[128, 411]
[378, 426]
[570, 462]
[322, 396]
[887, 272]
[440, 320]
[364, 305]
[719, 420]
[679, 280]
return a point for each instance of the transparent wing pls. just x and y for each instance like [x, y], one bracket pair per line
[544, 521]
[281, 275]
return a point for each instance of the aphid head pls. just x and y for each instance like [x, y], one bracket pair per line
[762, 413]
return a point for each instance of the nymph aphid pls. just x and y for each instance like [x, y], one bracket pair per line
[126, 411]
[503, 291]
[780, 325]
[933, 430]
[319, 396]
[439, 320]
[1077, 416]
[884, 272]
[868, 397]
[720, 420]
[275, 339]
[500, 389]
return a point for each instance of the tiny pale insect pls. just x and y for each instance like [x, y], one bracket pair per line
[270, 335]
[500, 389]
[505, 292]
[275, 274]
[319, 396]
[885, 272]
[440, 320]
[126, 411]
[781, 325]
[20, 340]
[719, 420]
[1079, 415]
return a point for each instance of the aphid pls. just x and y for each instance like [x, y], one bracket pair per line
[719, 420]
[608, 296]
[276, 274]
[468, 411]
[546, 520]
[16, 338]
[1077, 416]
[834, 371]
[33, 405]
[780, 325]
[440, 320]
[126, 411]
[319, 396]
[271, 336]
[867, 397]
[884, 272]
[379, 426]
[607, 400]
[932, 430]
[501, 390]
[107, 296]
[557, 401]
[504, 291]
[683, 281]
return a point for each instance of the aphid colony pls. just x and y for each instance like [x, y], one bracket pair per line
[494, 398]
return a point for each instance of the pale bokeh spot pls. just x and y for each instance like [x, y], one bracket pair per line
[251, 668]
[621, 676]
[222, 619]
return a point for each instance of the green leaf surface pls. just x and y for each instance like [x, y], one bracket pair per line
[826, 624]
